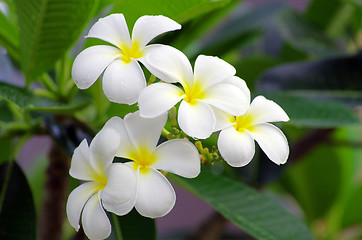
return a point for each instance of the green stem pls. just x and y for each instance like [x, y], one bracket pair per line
[48, 83]
[117, 227]
[165, 133]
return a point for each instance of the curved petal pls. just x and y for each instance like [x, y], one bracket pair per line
[168, 64]
[144, 132]
[158, 98]
[112, 29]
[196, 120]
[227, 97]
[178, 156]
[95, 222]
[76, 200]
[263, 110]
[241, 84]
[156, 196]
[123, 82]
[81, 167]
[223, 119]
[90, 64]
[236, 148]
[148, 27]
[105, 145]
[124, 207]
[210, 70]
[272, 141]
[121, 184]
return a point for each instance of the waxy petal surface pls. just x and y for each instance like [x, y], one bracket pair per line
[76, 201]
[178, 156]
[123, 82]
[112, 29]
[156, 196]
[95, 222]
[158, 98]
[196, 120]
[272, 141]
[263, 110]
[236, 148]
[90, 64]
[210, 70]
[148, 27]
[81, 167]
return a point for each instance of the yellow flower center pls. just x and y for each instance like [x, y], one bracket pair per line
[143, 159]
[194, 93]
[244, 122]
[131, 53]
[102, 181]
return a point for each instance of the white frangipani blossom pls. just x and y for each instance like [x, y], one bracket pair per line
[211, 87]
[107, 184]
[155, 196]
[123, 77]
[236, 139]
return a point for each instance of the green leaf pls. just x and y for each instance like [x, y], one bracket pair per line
[134, 226]
[9, 36]
[180, 10]
[250, 210]
[17, 216]
[350, 214]
[313, 113]
[47, 29]
[27, 101]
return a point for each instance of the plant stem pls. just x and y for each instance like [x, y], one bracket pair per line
[151, 79]
[117, 227]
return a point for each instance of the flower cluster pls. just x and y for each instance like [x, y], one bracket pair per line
[211, 99]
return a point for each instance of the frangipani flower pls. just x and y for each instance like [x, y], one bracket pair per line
[211, 86]
[107, 184]
[236, 142]
[123, 77]
[155, 196]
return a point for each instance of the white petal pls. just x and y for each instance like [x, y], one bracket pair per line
[90, 64]
[158, 98]
[105, 145]
[263, 110]
[272, 141]
[144, 132]
[95, 222]
[223, 119]
[227, 97]
[210, 70]
[196, 120]
[123, 82]
[156, 196]
[168, 64]
[241, 84]
[178, 156]
[112, 29]
[121, 184]
[76, 200]
[81, 167]
[236, 148]
[148, 27]
[124, 207]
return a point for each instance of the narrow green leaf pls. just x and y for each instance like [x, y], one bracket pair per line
[47, 29]
[27, 101]
[180, 10]
[310, 112]
[133, 226]
[9, 36]
[253, 212]
[17, 216]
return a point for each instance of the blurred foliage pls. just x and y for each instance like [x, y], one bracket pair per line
[308, 62]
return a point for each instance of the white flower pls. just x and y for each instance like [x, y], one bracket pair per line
[123, 77]
[155, 196]
[236, 142]
[211, 86]
[107, 184]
